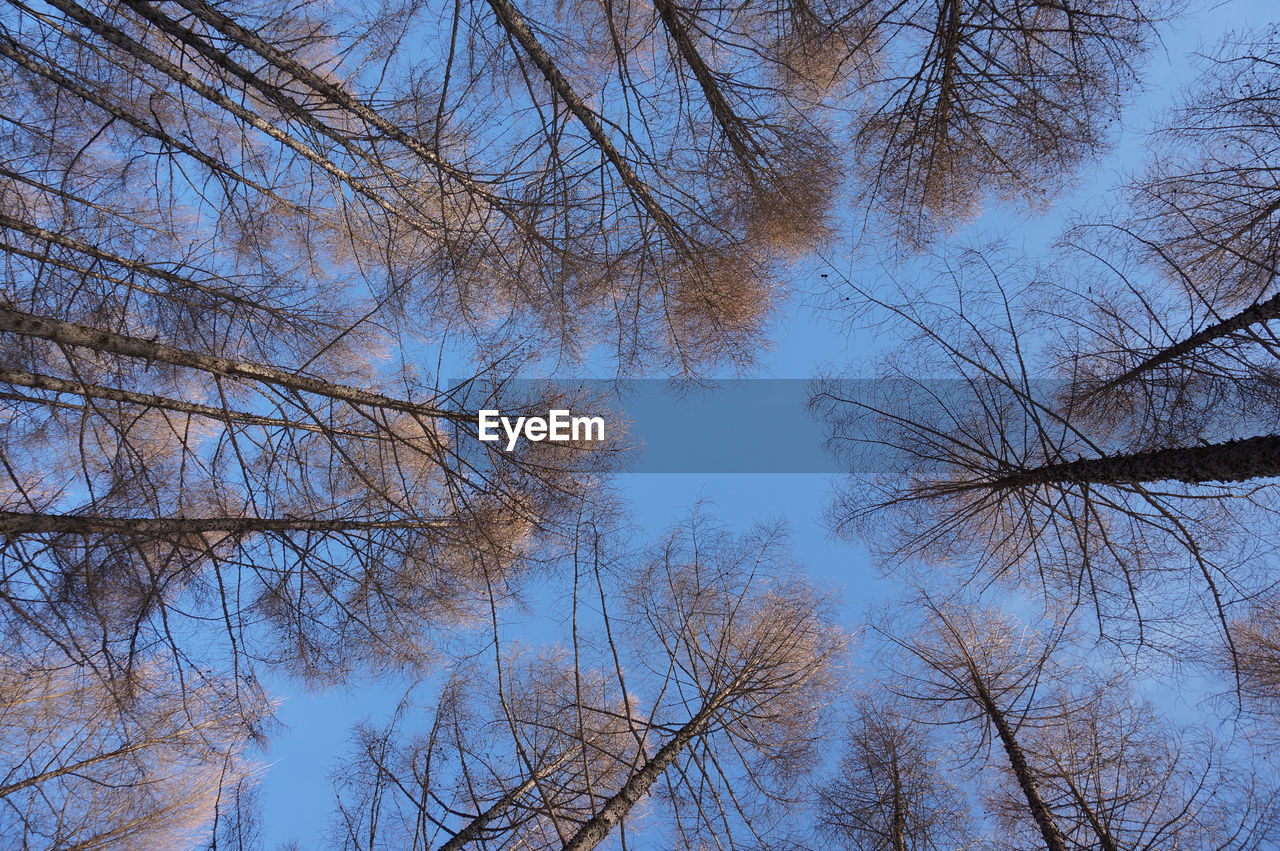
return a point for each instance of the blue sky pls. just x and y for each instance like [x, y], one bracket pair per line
[297, 789]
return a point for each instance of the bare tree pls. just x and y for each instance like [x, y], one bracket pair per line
[1113, 423]
[224, 224]
[739, 686]
[348, 523]
[202, 312]
[708, 702]
[1153, 359]
[1084, 764]
[1172, 313]
[1257, 658]
[506, 175]
[231, 230]
[238, 817]
[1204, 207]
[514, 761]
[1159, 314]
[214, 212]
[990, 465]
[977, 665]
[999, 98]
[889, 792]
[1123, 778]
[96, 763]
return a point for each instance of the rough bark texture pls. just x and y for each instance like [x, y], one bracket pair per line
[71, 334]
[616, 808]
[18, 523]
[1263, 311]
[1233, 461]
[1053, 838]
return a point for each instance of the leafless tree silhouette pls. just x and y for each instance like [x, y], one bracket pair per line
[995, 98]
[1205, 207]
[889, 792]
[708, 701]
[1083, 764]
[99, 763]
[985, 467]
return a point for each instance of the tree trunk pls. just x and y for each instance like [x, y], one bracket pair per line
[37, 232]
[616, 808]
[951, 11]
[71, 334]
[1105, 840]
[119, 39]
[19, 523]
[472, 830]
[74, 767]
[334, 92]
[1053, 838]
[898, 829]
[1263, 311]
[19, 378]
[1233, 461]
[720, 109]
[518, 28]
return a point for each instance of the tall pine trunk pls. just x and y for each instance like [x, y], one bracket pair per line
[637, 786]
[1232, 461]
[71, 334]
[1263, 311]
[1053, 838]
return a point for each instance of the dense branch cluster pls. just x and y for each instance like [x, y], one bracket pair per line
[1098, 434]
[263, 264]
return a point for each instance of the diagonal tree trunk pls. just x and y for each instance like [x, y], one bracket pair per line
[728, 120]
[145, 269]
[476, 826]
[637, 786]
[334, 92]
[1232, 461]
[76, 768]
[1263, 311]
[949, 25]
[518, 28]
[1105, 840]
[71, 334]
[35, 381]
[15, 52]
[1053, 838]
[124, 42]
[20, 523]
